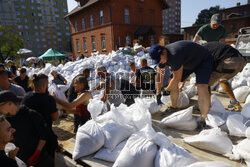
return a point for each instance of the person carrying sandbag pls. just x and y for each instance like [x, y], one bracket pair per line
[184, 58]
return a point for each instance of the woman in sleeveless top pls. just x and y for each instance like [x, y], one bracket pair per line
[79, 105]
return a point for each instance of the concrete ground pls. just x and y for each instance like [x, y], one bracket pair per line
[64, 130]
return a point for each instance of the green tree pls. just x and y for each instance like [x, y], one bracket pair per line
[10, 43]
[205, 15]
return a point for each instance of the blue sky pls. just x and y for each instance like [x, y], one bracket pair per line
[190, 8]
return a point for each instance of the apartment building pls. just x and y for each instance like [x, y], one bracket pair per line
[40, 23]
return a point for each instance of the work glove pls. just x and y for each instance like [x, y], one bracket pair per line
[158, 98]
[32, 161]
[165, 92]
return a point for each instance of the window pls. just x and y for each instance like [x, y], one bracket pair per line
[128, 39]
[75, 26]
[85, 45]
[77, 45]
[126, 14]
[83, 24]
[101, 17]
[91, 21]
[93, 43]
[103, 43]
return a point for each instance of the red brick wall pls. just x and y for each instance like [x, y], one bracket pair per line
[141, 13]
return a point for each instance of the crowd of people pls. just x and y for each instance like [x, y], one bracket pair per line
[28, 111]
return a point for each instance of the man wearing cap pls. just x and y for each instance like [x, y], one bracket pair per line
[184, 58]
[31, 130]
[211, 32]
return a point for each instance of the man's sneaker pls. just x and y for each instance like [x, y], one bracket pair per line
[169, 110]
[234, 104]
[201, 125]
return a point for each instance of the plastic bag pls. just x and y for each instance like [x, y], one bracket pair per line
[210, 164]
[151, 104]
[246, 111]
[63, 88]
[190, 90]
[248, 133]
[89, 137]
[247, 99]
[118, 128]
[216, 105]
[108, 154]
[183, 100]
[212, 140]
[214, 120]
[8, 148]
[139, 150]
[241, 93]
[171, 155]
[243, 150]
[182, 120]
[235, 125]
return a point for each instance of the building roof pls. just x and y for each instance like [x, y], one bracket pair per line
[91, 2]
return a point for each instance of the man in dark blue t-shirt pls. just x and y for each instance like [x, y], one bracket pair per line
[184, 58]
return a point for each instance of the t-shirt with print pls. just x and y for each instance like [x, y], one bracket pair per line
[208, 34]
[187, 54]
[147, 78]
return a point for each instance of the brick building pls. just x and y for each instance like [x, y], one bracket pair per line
[105, 25]
[232, 19]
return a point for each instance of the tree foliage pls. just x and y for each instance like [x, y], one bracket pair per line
[10, 43]
[205, 15]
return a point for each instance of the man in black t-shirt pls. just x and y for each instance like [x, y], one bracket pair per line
[45, 104]
[184, 58]
[31, 130]
[227, 63]
[146, 77]
[23, 80]
[6, 136]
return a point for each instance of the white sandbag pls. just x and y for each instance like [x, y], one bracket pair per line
[182, 120]
[183, 100]
[248, 133]
[247, 99]
[243, 149]
[190, 90]
[216, 105]
[213, 140]
[89, 137]
[151, 104]
[63, 88]
[118, 127]
[214, 120]
[235, 125]
[171, 155]
[241, 93]
[9, 147]
[246, 111]
[210, 164]
[108, 154]
[139, 150]
[165, 99]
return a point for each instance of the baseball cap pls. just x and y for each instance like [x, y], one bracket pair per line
[216, 19]
[155, 53]
[6, 96]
